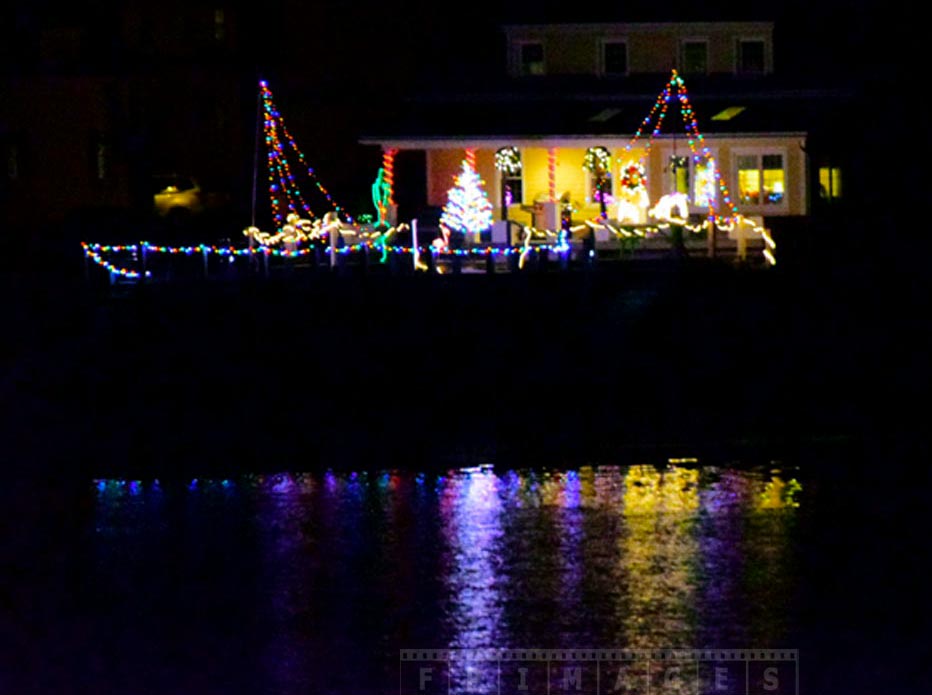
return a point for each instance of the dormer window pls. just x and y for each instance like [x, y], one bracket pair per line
[531, 58]
[751, 57]
[695, 58]
[614, 58]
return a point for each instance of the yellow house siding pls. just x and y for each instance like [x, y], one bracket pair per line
[444, 163]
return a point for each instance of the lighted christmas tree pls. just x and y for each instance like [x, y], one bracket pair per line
[468, 209]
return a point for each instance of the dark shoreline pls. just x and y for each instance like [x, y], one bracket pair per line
[635, 362]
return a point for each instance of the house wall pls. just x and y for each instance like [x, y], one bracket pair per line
[444, 161]
[575, 49]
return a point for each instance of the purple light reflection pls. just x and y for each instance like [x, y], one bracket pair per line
[471, 509]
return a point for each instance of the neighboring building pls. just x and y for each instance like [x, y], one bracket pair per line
[102, 99]
[572, 87]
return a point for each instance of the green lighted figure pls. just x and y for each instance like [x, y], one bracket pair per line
[381, 198]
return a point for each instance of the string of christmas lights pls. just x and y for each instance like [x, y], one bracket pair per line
[700, 153]
[93, 252]
[284, 193]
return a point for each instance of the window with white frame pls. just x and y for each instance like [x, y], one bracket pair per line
[531, 58]
[614, 57]
[761, 178]
[694, 57]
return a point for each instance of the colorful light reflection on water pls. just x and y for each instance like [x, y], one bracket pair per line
[312, 569]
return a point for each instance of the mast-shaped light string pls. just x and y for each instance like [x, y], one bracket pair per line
[695, 139]
[699, 150]
[284, 192]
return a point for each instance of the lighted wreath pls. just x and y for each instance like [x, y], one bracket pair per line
[633, 176]
[597, 159]
[508, 160]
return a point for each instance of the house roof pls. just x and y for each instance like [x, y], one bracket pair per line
[607, 108]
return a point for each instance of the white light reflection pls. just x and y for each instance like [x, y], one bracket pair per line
[471, 507]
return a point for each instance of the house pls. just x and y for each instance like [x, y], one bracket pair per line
[571, 89]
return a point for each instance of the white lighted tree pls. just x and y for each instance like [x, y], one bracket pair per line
[468, 209]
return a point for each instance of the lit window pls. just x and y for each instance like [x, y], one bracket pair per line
[705, 187]
[829, 183]
[751, 56]
[761, 179]
[774, 183]
[532, 58]
[695, 57]
[679, 170]
[614, 58]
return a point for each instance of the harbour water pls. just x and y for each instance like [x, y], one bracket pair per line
[313, 582]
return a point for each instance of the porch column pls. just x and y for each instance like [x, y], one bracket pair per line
[388, 167]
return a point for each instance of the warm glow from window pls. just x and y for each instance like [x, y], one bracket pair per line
[680, 168]
[829, 182]
[761, 179]
[773, 179]
[704, 193]
[748, 180]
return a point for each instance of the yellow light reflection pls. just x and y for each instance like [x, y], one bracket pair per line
[658, 554]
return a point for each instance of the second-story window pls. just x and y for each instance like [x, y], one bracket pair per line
[751, 56]
[614, 58]
[695, 57]
[531, 58]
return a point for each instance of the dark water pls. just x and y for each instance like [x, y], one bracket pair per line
[306, 583]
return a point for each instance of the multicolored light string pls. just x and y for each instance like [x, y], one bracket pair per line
[94, 252]
[700, 152]
[284, 192]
